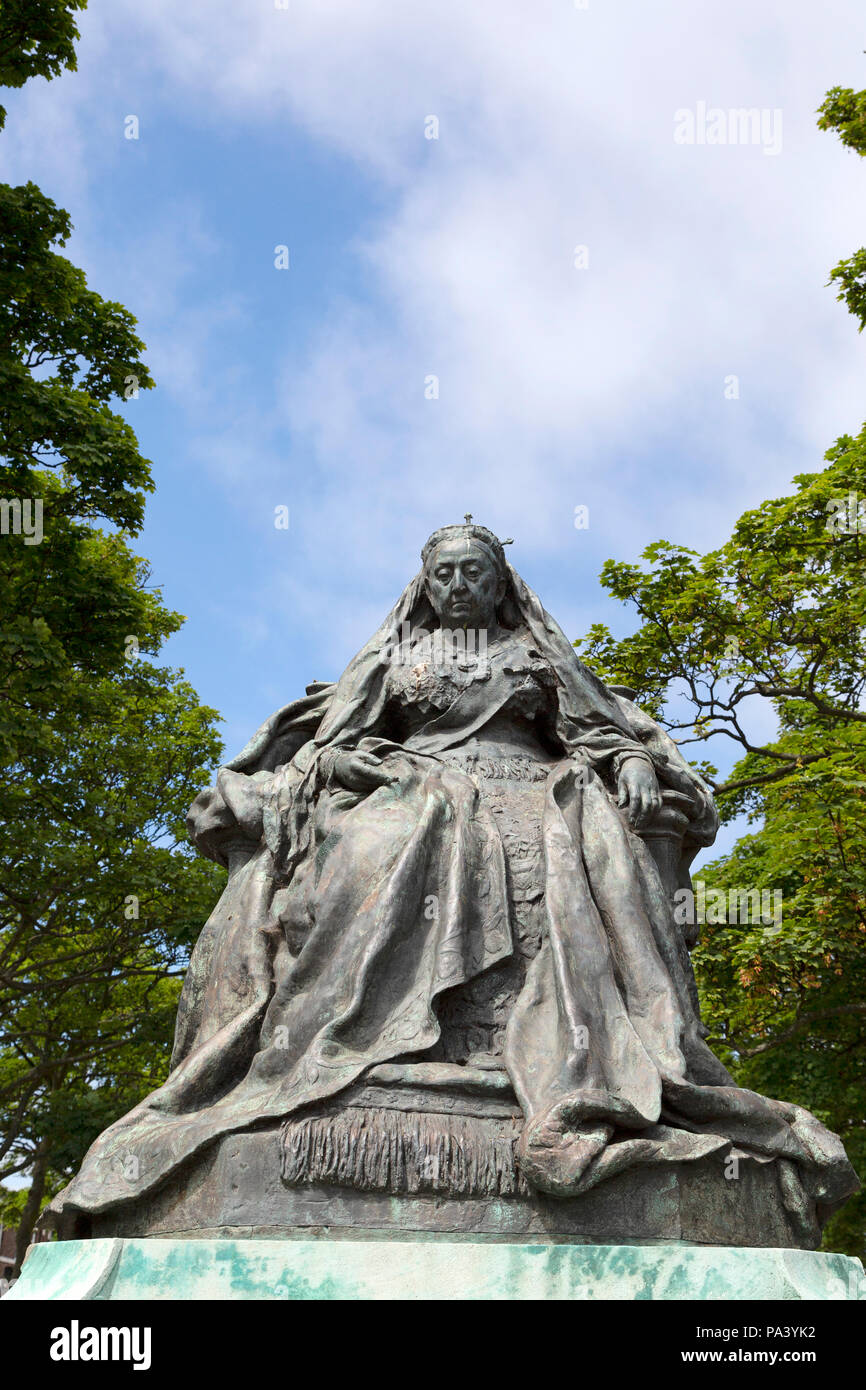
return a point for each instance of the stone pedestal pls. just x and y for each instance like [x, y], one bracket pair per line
[434, 1268]
[292, 1212]
[235, 1190]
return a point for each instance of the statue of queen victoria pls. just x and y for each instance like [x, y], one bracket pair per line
[446, 968]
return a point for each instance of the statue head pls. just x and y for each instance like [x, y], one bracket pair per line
[465, 575]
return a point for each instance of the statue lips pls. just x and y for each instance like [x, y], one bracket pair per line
[462, 614]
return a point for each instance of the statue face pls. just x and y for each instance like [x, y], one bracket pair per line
[463, 585]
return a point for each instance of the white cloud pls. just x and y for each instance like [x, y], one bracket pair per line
[556, 127]
[557, 385]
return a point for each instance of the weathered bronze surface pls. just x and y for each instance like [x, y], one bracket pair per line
[444, 988]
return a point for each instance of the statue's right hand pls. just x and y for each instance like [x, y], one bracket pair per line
[360, 772]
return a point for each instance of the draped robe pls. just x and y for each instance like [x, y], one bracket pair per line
[320, 961]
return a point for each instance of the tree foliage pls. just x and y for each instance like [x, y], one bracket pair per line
[777, 615]
[777, 612]
[37, 39]
[844, 111]
[786, 1001]
[101, 751]
[69, 600]
[100, 902]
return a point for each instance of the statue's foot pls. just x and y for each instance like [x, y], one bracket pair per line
[554, 1157]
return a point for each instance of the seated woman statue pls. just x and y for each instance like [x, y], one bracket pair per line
[437, 865]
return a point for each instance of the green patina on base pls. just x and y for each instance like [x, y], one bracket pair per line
[428, 1268]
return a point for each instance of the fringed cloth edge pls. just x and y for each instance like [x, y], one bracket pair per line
[379, 1150]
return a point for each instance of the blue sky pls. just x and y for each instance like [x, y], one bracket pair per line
[304, 126]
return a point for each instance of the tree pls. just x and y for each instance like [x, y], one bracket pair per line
[68, 594]
[36, 40]
[844, 111]
[777, 614]
[101, 752]
[785, 999]
[101, 900]
[779, 611]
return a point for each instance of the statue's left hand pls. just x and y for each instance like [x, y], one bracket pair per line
[361, 771]
[638, 790]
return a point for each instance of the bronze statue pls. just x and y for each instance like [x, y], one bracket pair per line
[446, 959]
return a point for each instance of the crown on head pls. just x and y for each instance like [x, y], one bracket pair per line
[469, 530]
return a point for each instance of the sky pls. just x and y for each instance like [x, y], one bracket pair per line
[519, 282]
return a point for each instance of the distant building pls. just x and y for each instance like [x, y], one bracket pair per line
[8, 1238]
[7, 1250]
